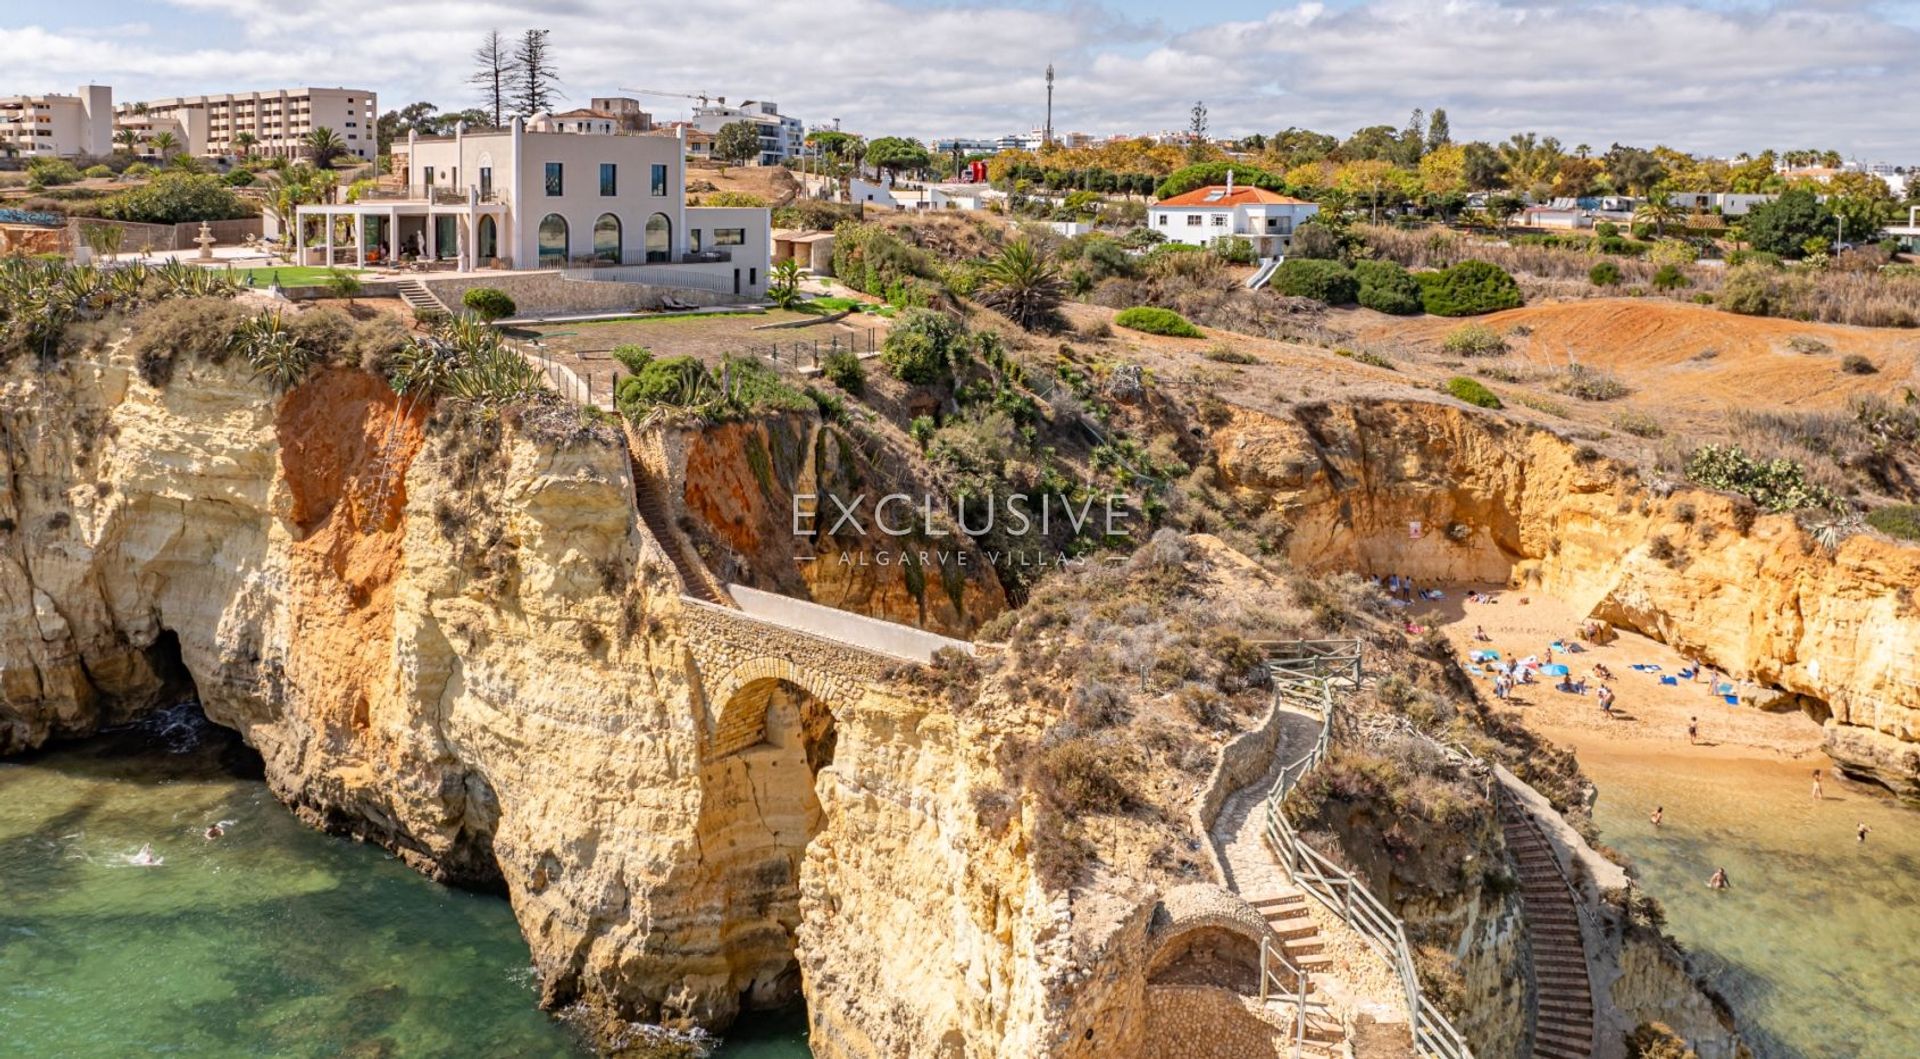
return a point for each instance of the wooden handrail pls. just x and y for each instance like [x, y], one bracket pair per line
[1304, 672]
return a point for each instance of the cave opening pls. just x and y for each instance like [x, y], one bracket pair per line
[760, 810]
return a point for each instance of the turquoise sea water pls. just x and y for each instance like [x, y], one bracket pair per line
[273, 940]
[1817, 942]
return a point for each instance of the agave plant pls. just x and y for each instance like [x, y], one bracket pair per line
[1024, 284]
[272, 351]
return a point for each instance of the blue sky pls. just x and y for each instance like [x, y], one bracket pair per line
[1717, 76]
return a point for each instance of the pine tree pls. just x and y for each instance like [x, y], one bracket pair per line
[533, 75]
[495, 68]
[1438, 133]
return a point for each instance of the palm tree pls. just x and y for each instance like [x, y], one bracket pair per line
[323, 146]
[245, 142]
[1658, 211]
[164, 143]
[1022, 283]
[126, 139]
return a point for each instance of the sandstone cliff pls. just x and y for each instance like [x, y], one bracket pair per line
[1502, 502]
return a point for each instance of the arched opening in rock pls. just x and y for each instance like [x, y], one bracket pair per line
[1208, 955]
[759, 811]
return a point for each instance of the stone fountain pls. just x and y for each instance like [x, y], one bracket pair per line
[206, 241]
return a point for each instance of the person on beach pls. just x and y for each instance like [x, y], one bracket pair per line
[1480, 634]
[1719, 880]
[1818, 795]
[1659, 811]
[1693, 739]
[1606, 700]
[1860, 833]
[1601, 672]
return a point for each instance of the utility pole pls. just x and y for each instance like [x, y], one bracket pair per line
[1046, 137]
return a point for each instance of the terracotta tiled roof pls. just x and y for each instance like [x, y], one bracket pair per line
[1217, 195]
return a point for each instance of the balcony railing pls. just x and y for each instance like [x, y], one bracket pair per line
[705, 257]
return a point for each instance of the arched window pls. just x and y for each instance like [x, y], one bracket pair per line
[606, 238]
[553, 241]
[487, 240]
[659, 238]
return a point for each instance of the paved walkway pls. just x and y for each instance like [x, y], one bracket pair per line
[1347, 977]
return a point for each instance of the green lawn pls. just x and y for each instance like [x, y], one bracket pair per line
[287, 275]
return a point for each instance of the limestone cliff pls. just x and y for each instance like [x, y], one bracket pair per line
[447, 632]
[1443, 492]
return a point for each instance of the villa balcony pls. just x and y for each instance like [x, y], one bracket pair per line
[705, 257]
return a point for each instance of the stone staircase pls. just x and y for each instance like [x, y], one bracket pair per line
[1563, 1027]
[652, 505]
[420, 298]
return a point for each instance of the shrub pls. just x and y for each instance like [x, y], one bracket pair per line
[1590, 385]
[1156, 321]
[1468, 289]
[843, 369]
[1386, 287]
[1897, 520]
[1607, 230]
[1321, 280]
[176, 198]
[1475, 340]
[1234, 250]
[51, 172]
[680, 381]
[1313, 240]
[921, 346]
[921, 430]
[732, 198]
[1748, 289]
[97, 171]
[1639, 424]
[1226, 354]
[1472, 392]
[239, 178]
[1669, 277]
[488, 303]
[1604, 274]
[197, 328]
[136, 171]
[1088, 776]
[632, 357]
[1855, 364]
[1773, 485]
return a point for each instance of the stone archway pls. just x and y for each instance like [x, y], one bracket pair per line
[770, 738]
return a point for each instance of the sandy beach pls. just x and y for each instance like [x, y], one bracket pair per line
[1646, 713]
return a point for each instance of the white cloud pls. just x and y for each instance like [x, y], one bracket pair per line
[1699, 75]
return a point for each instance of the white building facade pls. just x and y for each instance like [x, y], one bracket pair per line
[1204, 215]
[522, 199]
[58, 126]
[780, 136]
[278, 120]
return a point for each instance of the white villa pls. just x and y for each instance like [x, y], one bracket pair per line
[515, 198]
[1203, 215]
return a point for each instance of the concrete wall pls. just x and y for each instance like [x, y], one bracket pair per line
[872, 634]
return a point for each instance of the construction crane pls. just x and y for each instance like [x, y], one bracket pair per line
[701, 96]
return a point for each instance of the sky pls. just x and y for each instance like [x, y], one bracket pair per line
[1709, 76]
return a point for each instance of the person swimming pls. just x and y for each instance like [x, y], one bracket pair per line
[145, 858]
[1659, 813]
[213, 831]
[1719, 880]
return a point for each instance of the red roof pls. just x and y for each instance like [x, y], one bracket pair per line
[1218, 195]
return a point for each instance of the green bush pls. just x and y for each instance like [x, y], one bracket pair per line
[50, 172]
[1234, 250]
[136, 171]
[843, 369]
[1606, 230]
[921, 430]
[1321, 280]
[488, 303]
[1897, 520]
[238, 178]
[1855, 364]
[1669, 277]
[97, 171]
[922, 346]
[634, 358]
[1468, 289]
[1474, 340]
[680, 381]
[1386, 287]
[1748, 289]
[1472, 392]
[1314, 240]
[176, 198]
[1773, 485]
[1207, 174]
[1604, 274]
[1156, 322]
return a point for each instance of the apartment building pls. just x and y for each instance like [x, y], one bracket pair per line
[525, 199]
[780, 135]
[58, 126]
[277, 119]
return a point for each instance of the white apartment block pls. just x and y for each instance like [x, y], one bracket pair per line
[780, 136]
[58, 126]
[524, 199]
[278, 119]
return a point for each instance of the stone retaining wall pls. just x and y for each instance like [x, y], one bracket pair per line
[548, 293]
[1206, 1022]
